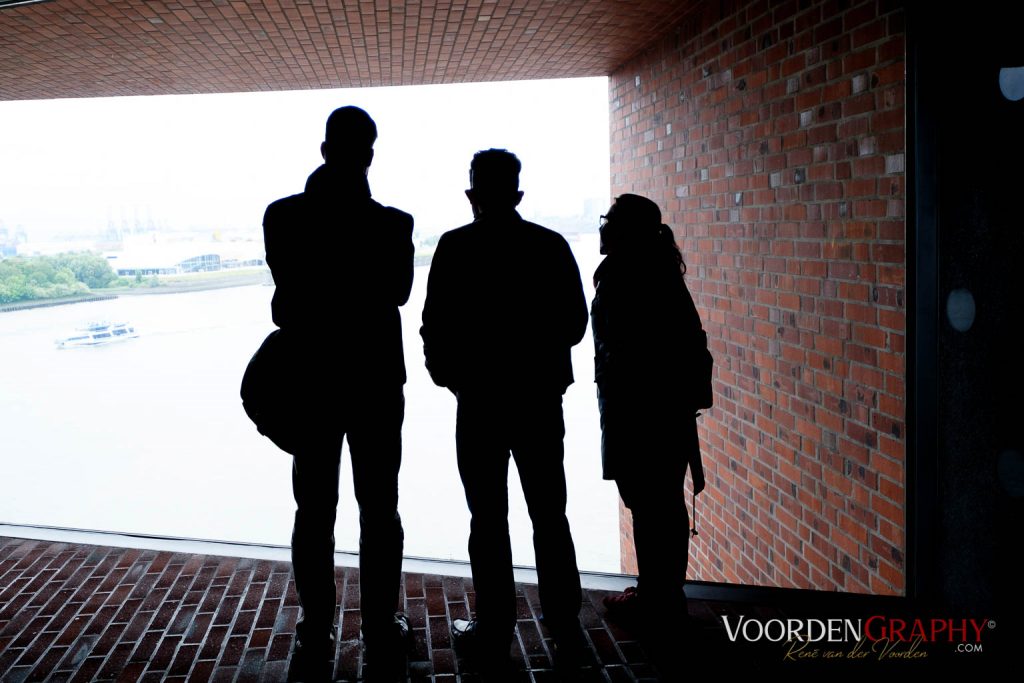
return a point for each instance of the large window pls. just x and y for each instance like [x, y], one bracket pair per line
[147, 434]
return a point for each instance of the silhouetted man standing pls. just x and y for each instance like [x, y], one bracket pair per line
[504, 307]
[343, 264]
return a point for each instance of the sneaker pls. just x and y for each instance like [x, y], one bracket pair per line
[486, 655]
[403, 631]
[312, 660]
[464, 634]
[385, 660]
[625, 605]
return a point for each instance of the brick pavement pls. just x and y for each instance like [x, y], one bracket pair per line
[72, 612]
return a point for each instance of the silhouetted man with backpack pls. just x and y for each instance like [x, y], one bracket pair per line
[504, 307]
[343, 264]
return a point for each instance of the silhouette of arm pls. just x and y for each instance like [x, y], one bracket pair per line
[281, 264]
[606, 320]
[575, 302]
[270, 242]
[438, 321]
[689, 314]
[403, 263]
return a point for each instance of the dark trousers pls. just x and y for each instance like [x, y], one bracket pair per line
[372, 422]
[530, 428]
[661, 535]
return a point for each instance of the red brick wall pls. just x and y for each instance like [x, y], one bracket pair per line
[772, 136]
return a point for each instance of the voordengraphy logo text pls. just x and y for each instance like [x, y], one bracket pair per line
[878, 635]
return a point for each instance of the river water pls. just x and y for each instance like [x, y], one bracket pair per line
[148, 435]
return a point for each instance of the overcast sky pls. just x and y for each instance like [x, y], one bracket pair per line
[217, 160]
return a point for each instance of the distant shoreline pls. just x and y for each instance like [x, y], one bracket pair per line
[46, 303]
[177, 285]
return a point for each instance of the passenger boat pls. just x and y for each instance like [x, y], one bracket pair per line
[98, 334]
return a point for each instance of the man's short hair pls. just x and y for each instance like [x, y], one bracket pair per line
[350, 128]
[495, 172]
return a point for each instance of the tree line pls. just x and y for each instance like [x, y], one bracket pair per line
[51, 277]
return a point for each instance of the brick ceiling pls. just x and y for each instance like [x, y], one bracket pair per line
[89, 48]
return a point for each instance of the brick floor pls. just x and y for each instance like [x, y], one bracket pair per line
[78, 613]
[73, 612]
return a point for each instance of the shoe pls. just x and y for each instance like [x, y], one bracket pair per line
[464, 634]
[312, 660]
[386, 660]
[397, 636]
[488, 656]
[625, 605]
[572, 650]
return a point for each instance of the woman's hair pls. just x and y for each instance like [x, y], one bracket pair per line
[634, 224]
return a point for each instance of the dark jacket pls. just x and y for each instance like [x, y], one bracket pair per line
[644, 323]
[342, 264]
[647, 335]
[504, 307]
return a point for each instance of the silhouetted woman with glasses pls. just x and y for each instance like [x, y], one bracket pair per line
[651, 362]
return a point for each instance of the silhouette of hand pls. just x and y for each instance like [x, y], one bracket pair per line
[698, 481]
